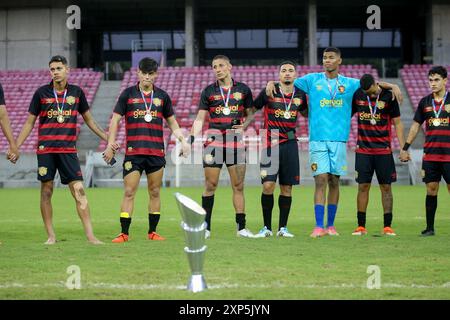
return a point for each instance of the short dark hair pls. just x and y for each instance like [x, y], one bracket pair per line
[333, 49]
[292, 63]
[366, 81]
[58, 58]
[440, 70]
[221, 56]
[148, 65]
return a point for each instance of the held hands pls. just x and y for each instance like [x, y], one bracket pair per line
[238, 129]
[110, 151]
[185, 149]
[404, 156]
[13, 154]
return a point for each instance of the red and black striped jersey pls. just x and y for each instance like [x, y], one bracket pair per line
[374, 136]
[142, 137]
[2, 96]
[211, 100]
[275, 108]
[437, 137]
[58, 136]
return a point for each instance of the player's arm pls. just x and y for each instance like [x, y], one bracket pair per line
[94, 126]
[413, 131]
[399, 129]
[396, 92]
[176, 131]
[304, 106]
[26, 130]
[13, 151]
[112, 146]
[197, 126]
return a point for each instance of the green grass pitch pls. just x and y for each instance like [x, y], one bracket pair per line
[411, 267]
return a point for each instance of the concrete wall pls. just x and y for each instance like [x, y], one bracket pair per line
[29, 37]
[440, 15]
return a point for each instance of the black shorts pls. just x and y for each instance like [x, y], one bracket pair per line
[67, 165]
[142, 162]
[382, 164]
[432, 171]
[216, 157]
[287, 168]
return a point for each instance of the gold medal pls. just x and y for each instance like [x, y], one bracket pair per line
[60, 118]
[226, 111]
[373, 121]
[436, 122]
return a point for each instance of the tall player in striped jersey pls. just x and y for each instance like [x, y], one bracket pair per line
[376, 111]
[434, 110]
[280, 119]
[227, 102]
[144, 107]
[57, 105]
[329, 113]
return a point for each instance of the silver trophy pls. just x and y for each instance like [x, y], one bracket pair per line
[194, 226]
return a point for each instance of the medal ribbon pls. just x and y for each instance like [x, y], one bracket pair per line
[436, 114]
[287, 106]
[333, 94]
[147, 108]
[60, 110]
[223, 96]
[372, 114]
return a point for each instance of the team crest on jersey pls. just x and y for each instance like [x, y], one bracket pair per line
[381, 105]
[128, 165]
[42, 171]
[157, 102]
[314, 167]
[447, 108]
[318, 87]
[263, 174]
[341, 89]
[237, 96]
[297, 101]
[70, 100]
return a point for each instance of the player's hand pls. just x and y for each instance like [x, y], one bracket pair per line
[185, 149]
[108, 154]
[238, 129]
[114, 146]
[270, 89]
[13, 154]
[397, 94]
[404, 156]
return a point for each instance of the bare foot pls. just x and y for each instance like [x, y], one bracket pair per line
[95, 241]
[50, 241]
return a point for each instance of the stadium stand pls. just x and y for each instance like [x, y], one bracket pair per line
[184, 85]
[19, 87]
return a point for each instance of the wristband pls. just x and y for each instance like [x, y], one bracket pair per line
[406, 146]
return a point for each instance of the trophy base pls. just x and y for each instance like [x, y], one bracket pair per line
[197, 283]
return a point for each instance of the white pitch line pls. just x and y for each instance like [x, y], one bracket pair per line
[221, 286]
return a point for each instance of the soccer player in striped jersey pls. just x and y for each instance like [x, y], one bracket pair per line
[57, 105]
[280, 119]
[144, 107]
[329, 113]
[434, 111]
[227, 102]
[376, 111]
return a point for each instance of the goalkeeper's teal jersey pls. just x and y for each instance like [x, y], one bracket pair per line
[330, 105]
